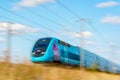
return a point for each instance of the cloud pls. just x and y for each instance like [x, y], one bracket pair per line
[87, 42]
[85, 34]
[111, 19]
[18, 29]
[118, 51]
[67, 32]
[107, 4]
[30, 3]
[2, 40]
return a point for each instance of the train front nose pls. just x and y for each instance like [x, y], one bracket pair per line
[38, 53]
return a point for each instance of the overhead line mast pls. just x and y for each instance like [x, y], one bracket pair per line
[8, 52]
[82, 20]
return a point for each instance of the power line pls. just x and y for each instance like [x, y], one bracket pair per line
[10, 32]
[73, 13]
[44, 7]
[60, 17]
[37, 14]
[45, 19]
[31, 11]
[21, 33]
[3, 17]
[32, 21]
[68, 9]
[102, 37]
[29, 20]
[76, 15]
[9, 38]
[95, 30]
[26, 38]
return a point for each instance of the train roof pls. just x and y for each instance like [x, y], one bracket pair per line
[45, 38]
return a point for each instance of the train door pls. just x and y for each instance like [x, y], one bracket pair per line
[55, 51]
[66, 55]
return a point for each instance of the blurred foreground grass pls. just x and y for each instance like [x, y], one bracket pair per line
[50, 72]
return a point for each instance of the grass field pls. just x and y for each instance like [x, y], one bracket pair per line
[50, 72]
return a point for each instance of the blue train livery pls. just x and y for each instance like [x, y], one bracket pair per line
[51, 49]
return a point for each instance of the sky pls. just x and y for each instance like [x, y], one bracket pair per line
[96, 22]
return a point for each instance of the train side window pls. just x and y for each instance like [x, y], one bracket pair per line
[70, 55]
[63, 43]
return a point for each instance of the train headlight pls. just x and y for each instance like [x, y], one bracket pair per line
[33, 53]
[42, 52]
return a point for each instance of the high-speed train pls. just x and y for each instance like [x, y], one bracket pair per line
[51, 49]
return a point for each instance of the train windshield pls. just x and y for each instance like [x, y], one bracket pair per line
[40, 47]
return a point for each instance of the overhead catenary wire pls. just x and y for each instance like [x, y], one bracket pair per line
[59, 16]
[8, 28]
[107, 42]
[29, 20]
[37, 14]
[59, 24]
[68, 9]
[24, 37]
[11, 32]
[101, 35]
[47, 19]
[9, 20]
[2, 17]
[76, 15]
[20, 23]
[98, 32]
[44, 7]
